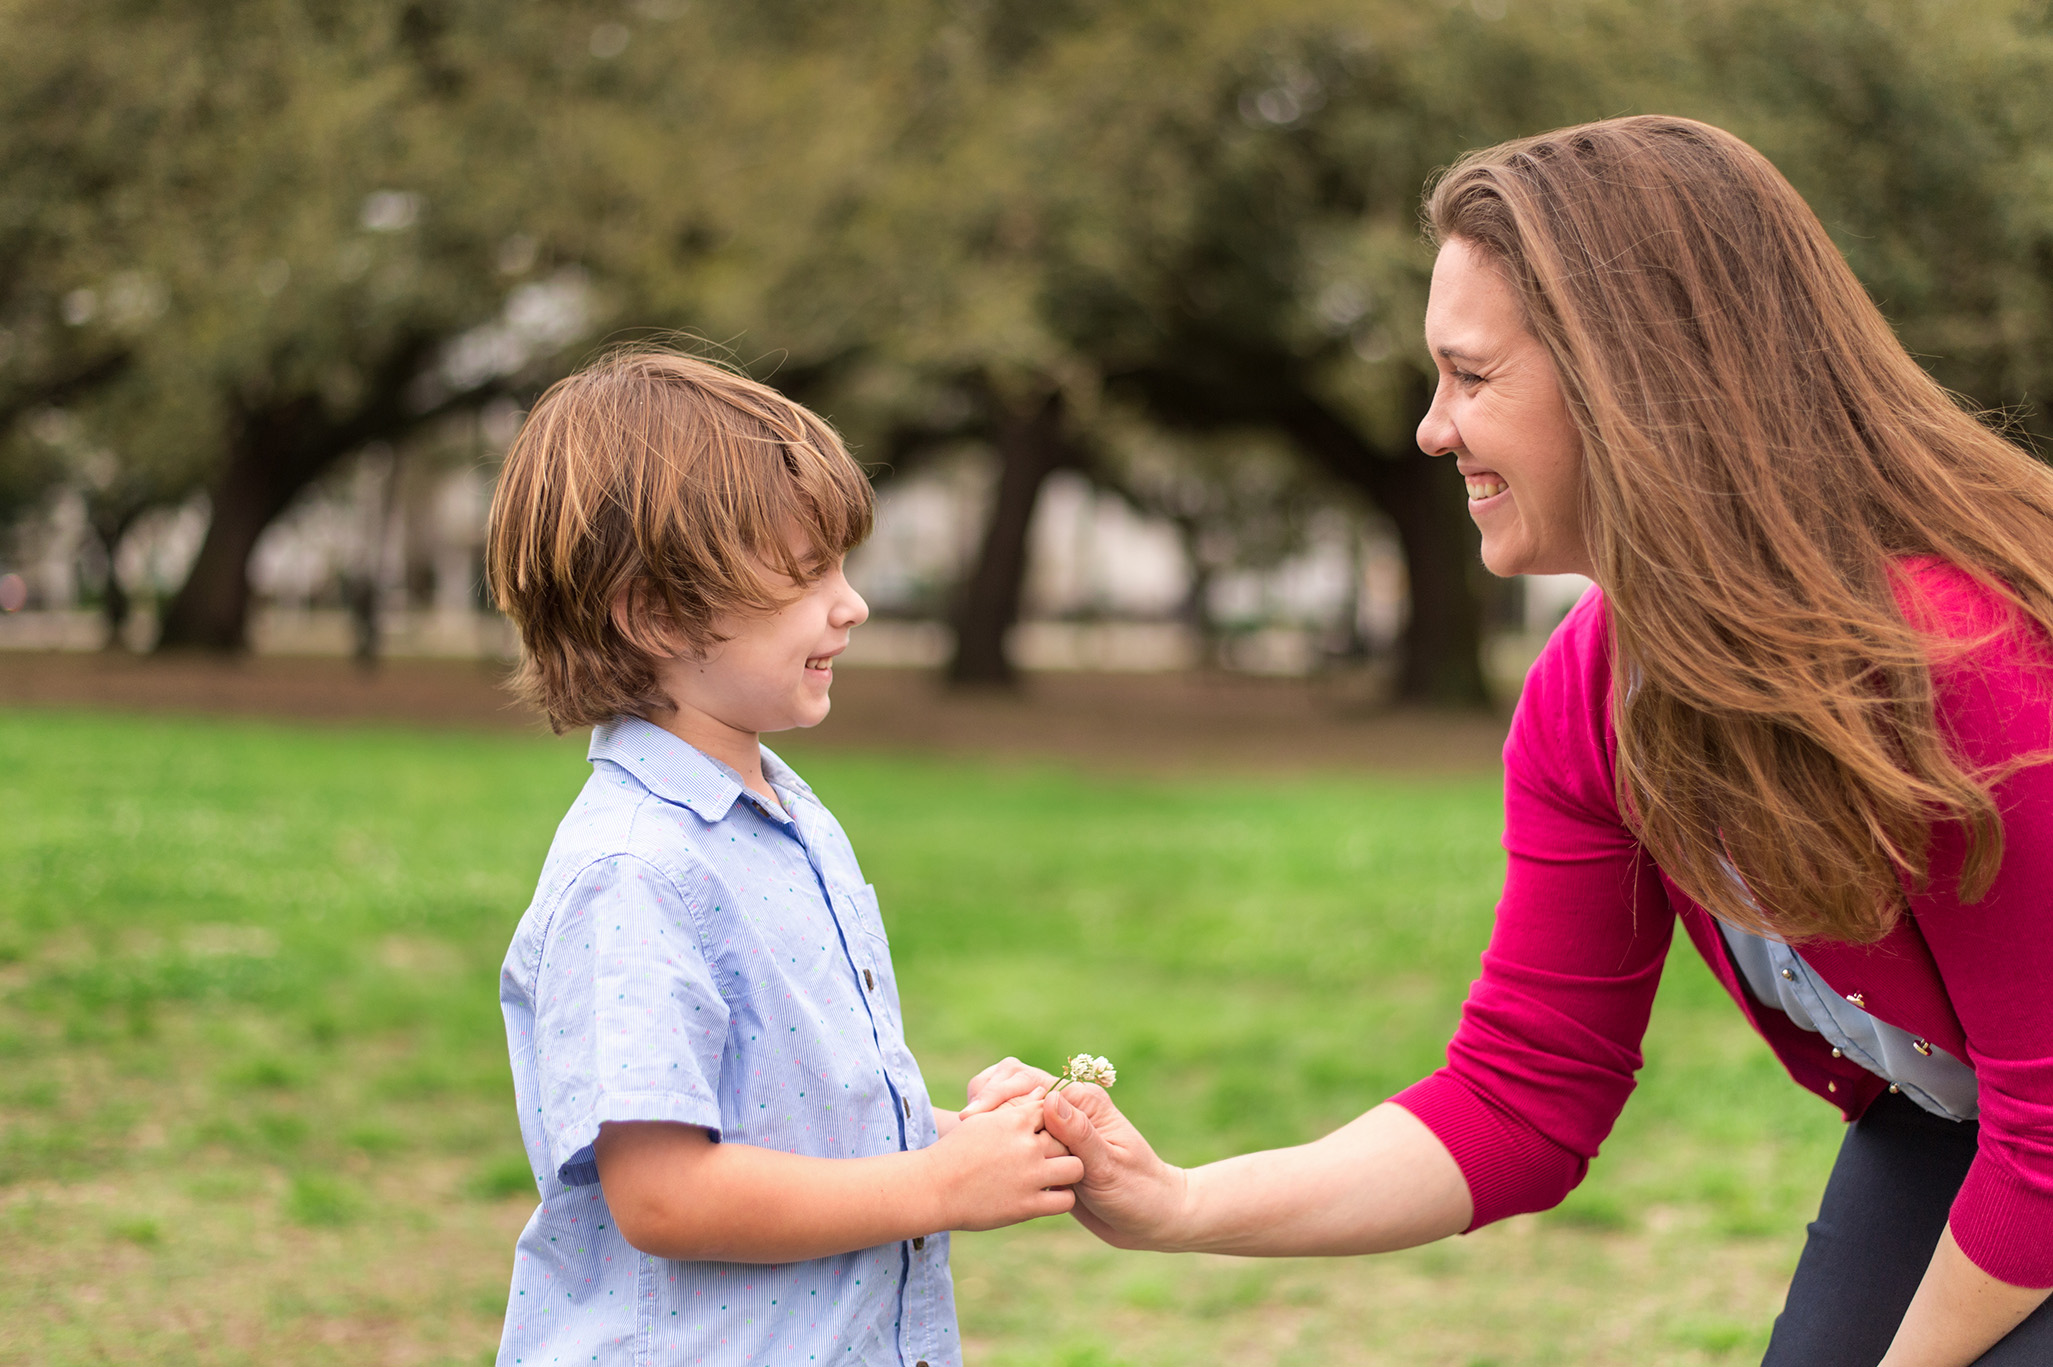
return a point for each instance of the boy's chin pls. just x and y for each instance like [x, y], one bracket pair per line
[804, 719]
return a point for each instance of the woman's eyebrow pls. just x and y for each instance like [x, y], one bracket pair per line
[1456, 354]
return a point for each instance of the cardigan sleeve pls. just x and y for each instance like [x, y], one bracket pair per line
[1995, 955]
[1549, 1039]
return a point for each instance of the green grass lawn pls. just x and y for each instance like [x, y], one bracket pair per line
[254, 1104]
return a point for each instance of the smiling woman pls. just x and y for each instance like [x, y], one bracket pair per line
[1805, 714]
[1499, 410]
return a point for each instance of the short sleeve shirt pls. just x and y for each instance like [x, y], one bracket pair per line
[695, 954]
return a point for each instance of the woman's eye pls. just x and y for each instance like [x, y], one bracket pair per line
[1467, 378]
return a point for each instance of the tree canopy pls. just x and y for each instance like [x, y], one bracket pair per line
[239, 243]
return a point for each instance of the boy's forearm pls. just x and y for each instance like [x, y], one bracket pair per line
[739, 1203]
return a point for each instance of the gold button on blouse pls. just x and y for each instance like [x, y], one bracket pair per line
[1789, 975]
[1922, 1046]
[1857, 998]
[1837, 1054]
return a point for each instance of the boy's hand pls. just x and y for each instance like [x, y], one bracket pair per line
[1000, 1167]
[1001, 1082]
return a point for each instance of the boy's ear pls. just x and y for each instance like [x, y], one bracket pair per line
[640, 617]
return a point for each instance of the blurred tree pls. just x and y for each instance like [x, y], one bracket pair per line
[1238, 500]
[239, 243]
[298, 231]
[1210, 208]
[1922, 135]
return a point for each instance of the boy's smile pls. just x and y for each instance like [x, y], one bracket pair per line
[772, 673]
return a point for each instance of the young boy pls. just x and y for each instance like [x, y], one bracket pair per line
[737, 1159]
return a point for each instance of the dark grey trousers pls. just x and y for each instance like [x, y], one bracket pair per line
[1885, 1206]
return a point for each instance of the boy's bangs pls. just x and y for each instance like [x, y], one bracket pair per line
[830, 501]
[678, 483]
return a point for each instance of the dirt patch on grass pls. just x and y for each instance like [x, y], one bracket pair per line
[1150, 721]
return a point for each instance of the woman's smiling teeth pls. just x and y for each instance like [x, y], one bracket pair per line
[1481, 487]
[821, 662]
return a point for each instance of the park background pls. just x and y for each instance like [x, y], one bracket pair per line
[1172, 738]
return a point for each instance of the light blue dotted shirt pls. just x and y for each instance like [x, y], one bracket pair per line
[695, 955]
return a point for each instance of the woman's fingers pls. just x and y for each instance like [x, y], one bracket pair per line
[1071, 1126]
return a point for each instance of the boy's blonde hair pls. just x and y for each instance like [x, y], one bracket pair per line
[667, 485]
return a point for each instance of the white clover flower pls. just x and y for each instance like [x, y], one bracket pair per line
[1085, 1068]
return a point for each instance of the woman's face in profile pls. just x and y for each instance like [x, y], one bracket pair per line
[1499, 410]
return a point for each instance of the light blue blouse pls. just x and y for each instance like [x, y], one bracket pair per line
[1778, 977]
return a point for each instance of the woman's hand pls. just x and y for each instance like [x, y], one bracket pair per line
[1379, 1182]
[1128, 1196]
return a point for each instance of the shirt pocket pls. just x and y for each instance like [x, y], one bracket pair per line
[867, 914]
[873, 954]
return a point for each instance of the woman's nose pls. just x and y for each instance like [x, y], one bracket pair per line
[1437, 435]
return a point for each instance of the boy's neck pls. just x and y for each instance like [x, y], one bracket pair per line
[741, 751]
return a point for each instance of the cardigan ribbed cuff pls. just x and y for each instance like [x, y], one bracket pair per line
[2004, 1225]
[1510, 1167]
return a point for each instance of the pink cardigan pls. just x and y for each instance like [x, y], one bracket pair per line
[1550, 1036]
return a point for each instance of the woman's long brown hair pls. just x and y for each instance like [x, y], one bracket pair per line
[1760, 457]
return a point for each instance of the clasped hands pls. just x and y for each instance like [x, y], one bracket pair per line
[1123, 1193]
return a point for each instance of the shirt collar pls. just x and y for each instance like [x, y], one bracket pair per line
[679, 772]
[781, 775]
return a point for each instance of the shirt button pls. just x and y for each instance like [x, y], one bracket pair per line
[1923, 1047]
[1894, 1089]
[1858, 998]
[919, 1243]
[870, 980]
[1831, 1086]
[1837, 1054]
[908, 1106]
[1789, 974]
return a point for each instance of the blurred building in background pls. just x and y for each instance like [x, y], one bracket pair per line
[387, 558]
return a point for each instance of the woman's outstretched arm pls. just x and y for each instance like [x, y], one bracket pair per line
[1379, 1182]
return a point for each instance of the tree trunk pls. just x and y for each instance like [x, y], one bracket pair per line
[1442, 646]
[275, 452]
[109, 523]
[1440, 653]
[270, 463]
[1030, 447]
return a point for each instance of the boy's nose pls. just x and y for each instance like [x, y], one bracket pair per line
[854, 611]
